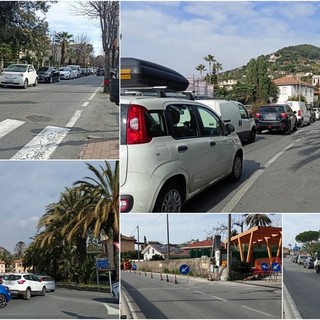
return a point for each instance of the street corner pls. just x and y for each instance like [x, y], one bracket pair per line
[100, 149]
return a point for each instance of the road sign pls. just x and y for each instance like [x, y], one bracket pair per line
[102, 263]
[265, 266]
[276, 267]
[184, 269]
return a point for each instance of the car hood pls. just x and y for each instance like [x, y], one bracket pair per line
[12, 73]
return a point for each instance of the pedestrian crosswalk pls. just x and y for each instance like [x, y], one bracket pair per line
[41, 147]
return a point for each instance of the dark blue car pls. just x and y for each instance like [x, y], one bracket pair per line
[5, 295]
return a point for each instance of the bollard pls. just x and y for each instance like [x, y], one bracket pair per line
[161, 276]
[175, 279]
[145, 273]
[151, 275]
[167, 278]
[139, 273]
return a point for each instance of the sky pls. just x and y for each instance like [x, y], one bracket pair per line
[182, 227]
[62, 18]
[26, 188]
[293, 224]
[179, 35]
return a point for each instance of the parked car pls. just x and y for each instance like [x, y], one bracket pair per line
[24, 285]
[302, 112]
[66, 73]
[19, 75]
[301, 259]
[317, 113]
[76, 69]
[235, 113]
[278, 117]
[115, 290]
[48, 74]
[312, 114]
[308, 263]
[5, 295]
[48, 281]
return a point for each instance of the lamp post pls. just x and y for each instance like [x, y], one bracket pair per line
[138, 244]
[228, 247]
[168, 245]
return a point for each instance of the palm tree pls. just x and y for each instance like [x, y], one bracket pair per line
[255, 220]
[210, 59]
[201, 68]
[63, 39]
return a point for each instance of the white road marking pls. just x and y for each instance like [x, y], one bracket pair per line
[74, 119]
[95, 92]
[85, 104]
[43, 145]
[238, 196]
[9, 125]
[267, 314]
[111, 311]
[219, 298]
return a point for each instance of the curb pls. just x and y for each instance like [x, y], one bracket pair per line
[290, 310]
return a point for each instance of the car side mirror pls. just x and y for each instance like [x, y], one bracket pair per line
[229, 128]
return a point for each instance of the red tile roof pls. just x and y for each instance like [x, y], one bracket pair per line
[290, 80]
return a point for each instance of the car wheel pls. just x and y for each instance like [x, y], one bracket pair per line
[170, 198]
[317, 269]
[3, 301]
[236, 168]
[43, 291]
[27, 294]
[252, 136]
[35, 82]
[295, 127]
[25, 84]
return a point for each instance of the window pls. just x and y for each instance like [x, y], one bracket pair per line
[155, 124]
[243, 112]
[211, 124]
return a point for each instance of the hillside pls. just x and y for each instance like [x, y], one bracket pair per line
[300, 59]
[4, 251]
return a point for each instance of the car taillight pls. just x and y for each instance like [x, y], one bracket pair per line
[299, 113]
[283, 115]
[257, 115]
[136, 125]
[21, 281]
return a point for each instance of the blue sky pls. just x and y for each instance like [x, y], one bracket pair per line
[179, 34]
[182, 227]
[26, 188]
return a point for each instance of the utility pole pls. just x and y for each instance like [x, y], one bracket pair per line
[228, 247]
[138, 244]
[168, 245]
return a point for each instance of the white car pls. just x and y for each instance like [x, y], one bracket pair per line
[66, 73]
[24, 285]
[317, 113]
[19, 75]
[172, 149]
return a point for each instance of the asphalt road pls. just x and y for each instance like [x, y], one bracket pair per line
[200, 299]
[303, 286]
[280, 174]
[52, 121]
[63, 304]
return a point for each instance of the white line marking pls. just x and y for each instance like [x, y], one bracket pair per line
[9, 125]
[267, 314]
[85, 104]
[237, 197]
[74, 119]
[43, 145]
[111, 311]
[219, 298]
[95, 92]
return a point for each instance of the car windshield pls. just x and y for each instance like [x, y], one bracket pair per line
[272, 109]
[17, 68]
[43, 69]
[64, 69]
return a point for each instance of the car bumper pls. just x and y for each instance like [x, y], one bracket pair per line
[11, 81]
[271, 125]
[43, 79]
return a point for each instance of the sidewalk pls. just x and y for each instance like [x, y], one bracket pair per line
[100, 149]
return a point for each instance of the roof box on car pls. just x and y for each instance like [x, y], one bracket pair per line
[137, 73]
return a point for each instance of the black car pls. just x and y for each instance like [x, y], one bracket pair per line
[278, 117]
[48, 74]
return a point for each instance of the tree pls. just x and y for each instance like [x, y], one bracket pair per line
[63, 39]
[107, 13]
[308, 236]
[255, 220]
[201, 68]
[210, 59]
[19, 249]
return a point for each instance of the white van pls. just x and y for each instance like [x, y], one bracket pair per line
[235, 113]
[302, 112]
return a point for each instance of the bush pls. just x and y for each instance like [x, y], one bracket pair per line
[241, 267]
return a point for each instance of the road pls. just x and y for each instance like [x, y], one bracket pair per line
[280, 174]
[200, 298]
[52, 121]
[63, 304]
[303, 287]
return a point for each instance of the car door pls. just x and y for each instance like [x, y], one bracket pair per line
[219, 145]
[190, 150]
[246, 120]
[36, 283]
[31, 75]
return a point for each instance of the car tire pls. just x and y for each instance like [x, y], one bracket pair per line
[170, 198]
[295, 127]
[317, 269]
[3, 301]
[236, 168]
[27, 294]
[43, 291]
[25, 84]
[35, 82]
[252, 136]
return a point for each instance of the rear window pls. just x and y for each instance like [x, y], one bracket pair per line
[11, 277]
[272, 109]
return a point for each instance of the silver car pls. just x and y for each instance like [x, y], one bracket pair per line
[48, 281]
